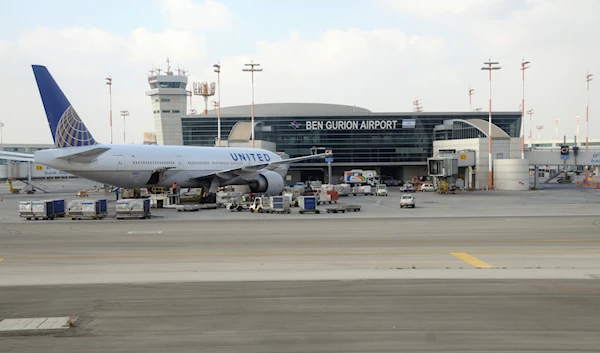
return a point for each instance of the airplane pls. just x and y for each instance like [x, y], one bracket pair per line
[140, 166]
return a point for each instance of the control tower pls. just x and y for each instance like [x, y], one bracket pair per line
[169, 101]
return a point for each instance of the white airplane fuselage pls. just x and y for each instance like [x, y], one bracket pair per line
[132, 166]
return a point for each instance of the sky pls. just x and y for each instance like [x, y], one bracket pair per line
[378, 54]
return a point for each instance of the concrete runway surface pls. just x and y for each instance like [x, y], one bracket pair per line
[329, 316]
[307, 283]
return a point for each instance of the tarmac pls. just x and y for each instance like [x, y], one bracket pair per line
[475, 271]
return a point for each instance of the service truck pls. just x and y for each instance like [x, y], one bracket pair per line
[361, 177]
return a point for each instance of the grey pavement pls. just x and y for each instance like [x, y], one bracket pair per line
[476, 271]
[328, 316]
[112, 251]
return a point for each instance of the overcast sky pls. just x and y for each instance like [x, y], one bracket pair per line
[378, 54]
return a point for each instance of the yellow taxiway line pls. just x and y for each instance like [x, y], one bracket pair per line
[471, 260]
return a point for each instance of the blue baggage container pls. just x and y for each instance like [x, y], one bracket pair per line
[310, 203]
[101, 207]
[59, 207]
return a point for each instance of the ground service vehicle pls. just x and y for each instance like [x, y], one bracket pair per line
[382, 190]
[361, 177]
[407, 201]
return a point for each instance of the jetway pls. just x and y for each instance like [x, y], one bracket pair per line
[451, 166]
[566, 156]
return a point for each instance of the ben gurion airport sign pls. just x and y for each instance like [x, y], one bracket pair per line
[358, 125]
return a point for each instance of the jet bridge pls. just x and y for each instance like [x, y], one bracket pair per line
[451, 167]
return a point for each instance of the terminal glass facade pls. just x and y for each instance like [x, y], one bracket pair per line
[385, 139]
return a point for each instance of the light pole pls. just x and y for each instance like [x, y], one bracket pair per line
[523, 68]
[530, 112]
[252, 69]
[218, 71]
[539, 129]
[490, 66]
[556, 122]
[588, 78]
[124, 113]
[109, 83]
[1, 137]
[471, 92]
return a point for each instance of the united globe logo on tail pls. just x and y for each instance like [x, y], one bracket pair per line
[71, 131]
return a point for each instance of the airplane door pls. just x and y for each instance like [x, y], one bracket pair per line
[120, 163]
[180, 163]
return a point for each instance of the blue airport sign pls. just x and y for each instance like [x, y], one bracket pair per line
[329, 159]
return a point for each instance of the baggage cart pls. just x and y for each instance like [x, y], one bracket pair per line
[74, 209]
[59, 207]
[133, 208]
[26, 210]
[353, 208]
[43, 210]
[344, 209]
[93, 209]
[140, 208]
[279, 204]
[308, 204]
[188, 208]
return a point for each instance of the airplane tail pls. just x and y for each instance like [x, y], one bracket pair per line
[66, 127]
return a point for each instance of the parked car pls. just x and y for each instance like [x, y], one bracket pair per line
[408, 187]
[407, 201]
[427, 187]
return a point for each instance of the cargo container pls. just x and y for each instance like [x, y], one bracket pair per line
[26, 210]
[343, 189]
[43, 209]
[308, 204]
[133, 208]
[94, 209]
[362, 190]
[140, 208]
[280, 204]
[59, 207]
[74, 209]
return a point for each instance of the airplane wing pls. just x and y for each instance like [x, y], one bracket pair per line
[251, 169]
[16, 156]
[87, 156]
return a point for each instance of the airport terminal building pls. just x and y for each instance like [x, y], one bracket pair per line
[397, 145]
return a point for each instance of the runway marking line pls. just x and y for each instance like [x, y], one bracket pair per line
[471, 260]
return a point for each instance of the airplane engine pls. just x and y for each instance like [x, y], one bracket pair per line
[269, 183]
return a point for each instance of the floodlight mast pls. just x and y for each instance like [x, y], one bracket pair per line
[489, 67]
[218, 71]
[588, 78]
[252, 69]
[523, 68]
[109, 83]
[530, 112]
[471, 92]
